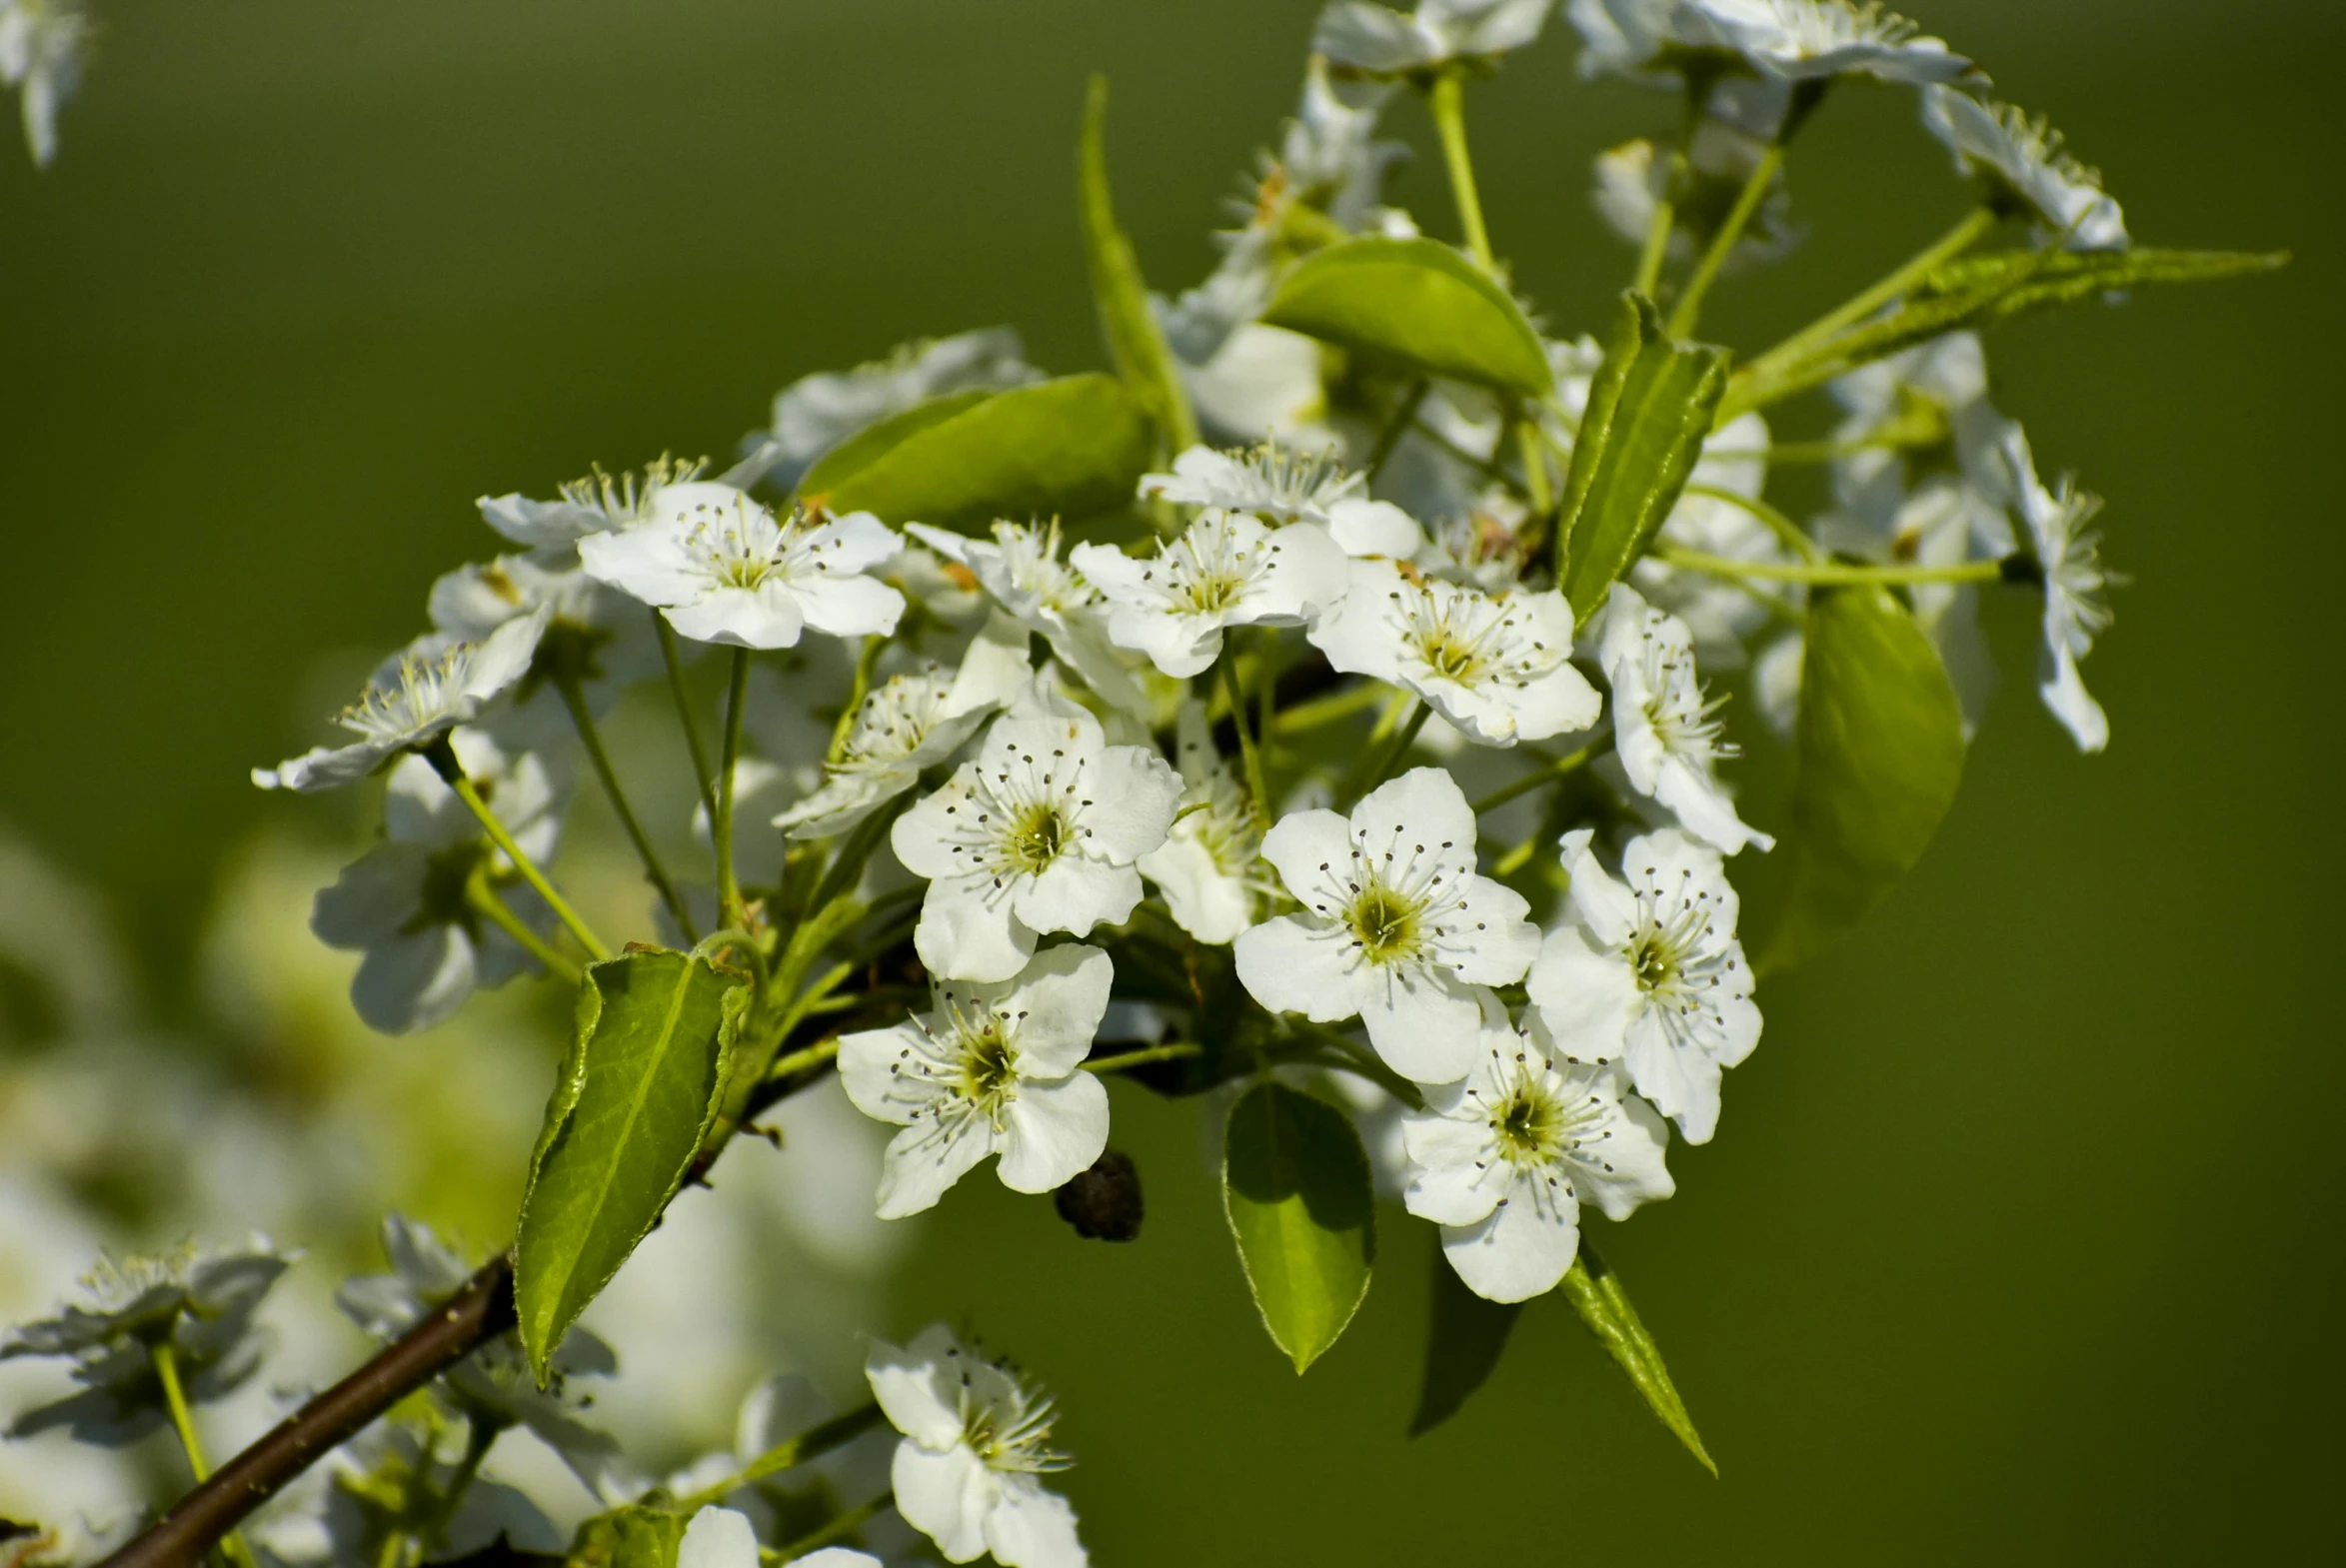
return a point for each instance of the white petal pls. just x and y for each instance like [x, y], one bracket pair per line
[1424, 1030]
[1288, 967]
[413, 981]
[768, 615]
[718, 1538]
[2063, 690]
[964, 935]
[945, 1496]
[1682, 1080]
[847, 607]
[918, 1385]
[1206, 902]
[995, 667]
[865, 1060]
[1585, 995]
[1373, 528]
[1301, 844]
[1074, 895]
[1058, 1002]
[1055, 1132]
[1030, 1527]
[1425, 802]
[923, 1161]
[1522, 1251]
[1134, 793]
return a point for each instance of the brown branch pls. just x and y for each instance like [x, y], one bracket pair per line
[471, 1317]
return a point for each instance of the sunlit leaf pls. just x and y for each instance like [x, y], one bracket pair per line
[645, 1073]
[1295, 1186]
[861, 450]
[1464, 1339]
[637, 1537]
[1649, 406]
[1880, 751]
[1596, 1295]
[1417, 303]
[1134, 341]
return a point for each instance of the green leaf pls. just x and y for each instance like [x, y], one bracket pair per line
[1651, 404]
[1463, 1342]
[647, 1062]
[1296, 1189]
[1134, 341]
[1880, 751]
[637, 1537]
[1978, 292]
[1074, 446]
[1596, 1295]
[1420, 303]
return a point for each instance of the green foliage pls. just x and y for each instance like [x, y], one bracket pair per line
[1651, 404]
[637, 1537]
[1295, 1186]
[1419, 303]
[647, 1070]
[1978, 292]
[1134, 341]
[1463, 1342]
[1596, 1295]
[1880, 751]
[1074, 447]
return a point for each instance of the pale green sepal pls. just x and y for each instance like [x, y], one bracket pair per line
[1419, 303]
[1134, 341]
[1296, 1190]
[639, 1535]
[1596, 1295]
[649, 1053]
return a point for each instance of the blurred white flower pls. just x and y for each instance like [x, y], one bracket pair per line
[1280, 484]
[1720, 614]
[1664, 732]
[1633, 178]
[907, 725]
[40, 56]
[2067, 552]
[1227, 569]
[1782, 41]
[597, 504]
[718, 1538]
[976, 1437]
[1384, 42]
[2025, 167]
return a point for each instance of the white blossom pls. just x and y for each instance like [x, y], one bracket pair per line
[1038, 833]
[815, 412]
[1280, 484]
[1208, 866]
[404, 904]
[1781, 41]
[1397, 927]
[1227, 569]
[2067, 552]
[977, 1440]
[1496, 666]
[1648, 969]
[40, 56]
[1504, 1158]
[1632, 179]
[991, 1070]
[1020, 570]
[601, 503]
[718, 1538]
[2024, 166]
[1384, 42]
[907, 725]
[1664, 732]
[725, 570]
[413, 697]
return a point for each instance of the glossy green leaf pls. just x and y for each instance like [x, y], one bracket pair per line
[1596, 1295]
[637, 1537]
[1649, 406]
[1983, 291]
[1880, 751]
[1296, 1189]
[1420, 303]
[1074, 446]
[1134, 341]
[1464, 1339]
[645, 1073]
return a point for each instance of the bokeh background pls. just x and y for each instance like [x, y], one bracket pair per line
[2021, 1241]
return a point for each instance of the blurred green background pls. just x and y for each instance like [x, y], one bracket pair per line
[2021, 1241]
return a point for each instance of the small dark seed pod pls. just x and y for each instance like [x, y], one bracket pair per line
[1103, 1203]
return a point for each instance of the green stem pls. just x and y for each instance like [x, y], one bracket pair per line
[1778, 523]
[1395, 748]
[838, 1530]
[1707, 271]
[866, 662]
[442, 755]
[1545, 776]
[1666, 205]
[1141, 1058]
[482, 895]
[729, 889]
[800, 1061]
[1449, 102]
[1534, 470]
[191, 1443]
[1249, 754]
[583, 720]
[480, 1436]
[813, 1443]
[674, 658]
[1975, 226]
[1396, 424]
[1834, 571]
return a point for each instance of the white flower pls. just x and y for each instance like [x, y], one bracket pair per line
[591, 630]
[1495, 666]
[1020, 568]
[815, 412]
[725, 569]
[436, 683]
[1329, 157]
[906, 725]
[2068, 556]
[1279, 485]
[1396, 926]
[1816, 40]
[40, 56]
[200, 1302]
[1662, 726]
[1913, 415]
[1633, 177]
[1651, 971]
[1227, 569]
[2026, 169]
[1504, 1159]
[597, 504]
[403, 904]
[976, 1437]
[1038, 833]
[718, 1538]
[991, 1070]
[1207, 868]
[1384, 42]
